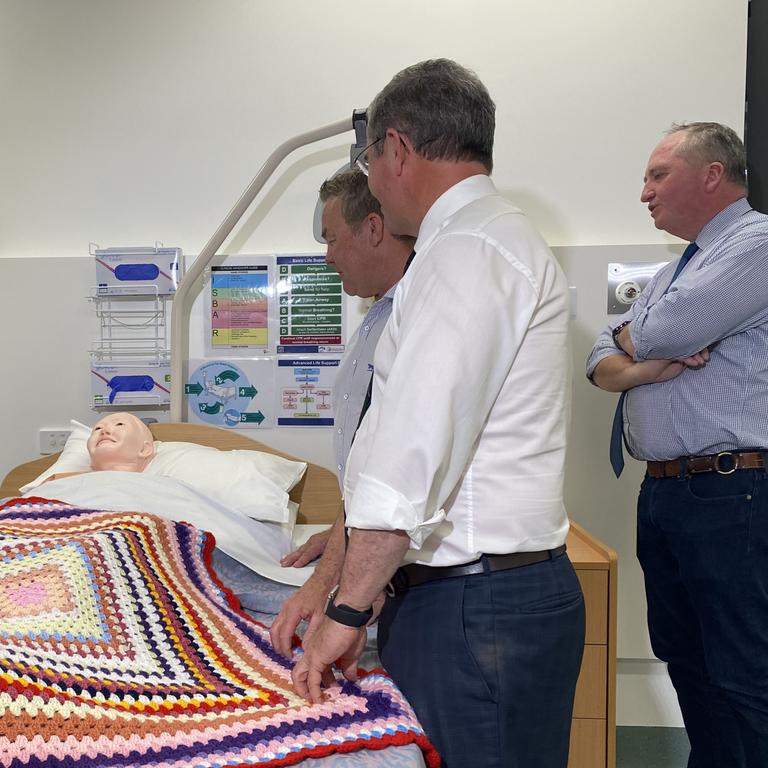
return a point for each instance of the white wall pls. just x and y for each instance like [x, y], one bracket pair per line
[130, 122]
[127, 123]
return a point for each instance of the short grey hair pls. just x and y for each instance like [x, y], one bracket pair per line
[357, 202]
[442, 107]
[714, 143]
[350, 187]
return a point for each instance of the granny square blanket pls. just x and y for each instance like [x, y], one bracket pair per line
[119, 647]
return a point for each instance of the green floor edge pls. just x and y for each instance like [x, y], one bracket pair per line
[646, 747]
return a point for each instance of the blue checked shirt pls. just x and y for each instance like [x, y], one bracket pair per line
[354, 376]
[719, 301]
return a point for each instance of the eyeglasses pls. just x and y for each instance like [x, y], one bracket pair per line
[361, 161]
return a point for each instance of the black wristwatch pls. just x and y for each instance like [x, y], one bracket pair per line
[345, 614]
[617, 330]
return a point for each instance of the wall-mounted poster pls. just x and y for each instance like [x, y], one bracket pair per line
[240, 317]
[304, 390]
[310, 306]
[223, 393]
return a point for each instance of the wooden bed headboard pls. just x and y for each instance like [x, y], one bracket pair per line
[317, 493]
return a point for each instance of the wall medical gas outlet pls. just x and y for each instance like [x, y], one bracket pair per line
[626, 282]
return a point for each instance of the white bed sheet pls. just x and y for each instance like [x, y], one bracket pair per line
[257, 545]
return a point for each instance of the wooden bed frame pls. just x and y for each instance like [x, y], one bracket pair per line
[593, 732]
[317, 494]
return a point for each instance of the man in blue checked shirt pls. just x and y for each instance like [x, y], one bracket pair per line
[370, 261]
[691, 357]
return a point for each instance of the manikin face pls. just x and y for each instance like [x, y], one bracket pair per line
[348, 251]
[673, 189]
[120, 441]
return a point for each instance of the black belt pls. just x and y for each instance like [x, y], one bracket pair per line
[414, 574]
[724, 463]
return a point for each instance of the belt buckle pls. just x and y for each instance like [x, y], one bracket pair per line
[734, 464]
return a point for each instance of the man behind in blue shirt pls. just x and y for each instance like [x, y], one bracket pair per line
[370, 261]
[691, 356]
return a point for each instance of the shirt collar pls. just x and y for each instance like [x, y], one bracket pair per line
[718, 223]
[389, 294]
[453, 199]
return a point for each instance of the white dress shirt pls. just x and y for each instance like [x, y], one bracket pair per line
[463, 446]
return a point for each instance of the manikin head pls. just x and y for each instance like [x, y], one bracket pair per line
[120, 441]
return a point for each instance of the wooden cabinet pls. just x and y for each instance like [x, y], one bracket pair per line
[593, 731]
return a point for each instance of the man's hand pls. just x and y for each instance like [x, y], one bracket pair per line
[618, 373]
[306, 604]
[331, 643]
[654, 371]
[695, 361]
[310, 550]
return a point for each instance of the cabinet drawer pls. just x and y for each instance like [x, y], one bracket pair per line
[595, 587]
[592, 686]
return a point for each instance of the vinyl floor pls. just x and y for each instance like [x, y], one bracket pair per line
[640, 747]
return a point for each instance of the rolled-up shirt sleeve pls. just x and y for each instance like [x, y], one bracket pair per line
[442, 361]
[604, 346]
[379, 506]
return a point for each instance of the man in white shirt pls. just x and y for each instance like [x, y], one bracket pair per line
[370, 261]
[453, 488]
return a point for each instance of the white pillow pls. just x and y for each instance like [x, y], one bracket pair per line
[171, 455]
[230, 480]
[74, 457]
[251, 482]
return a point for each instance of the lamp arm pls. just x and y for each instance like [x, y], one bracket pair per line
[180, 340]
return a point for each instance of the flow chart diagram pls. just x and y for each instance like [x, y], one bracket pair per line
[305, 388]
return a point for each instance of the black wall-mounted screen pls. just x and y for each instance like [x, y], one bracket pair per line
[756, 127]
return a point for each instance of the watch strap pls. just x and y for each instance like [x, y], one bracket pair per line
[345, 614]
[617, 330]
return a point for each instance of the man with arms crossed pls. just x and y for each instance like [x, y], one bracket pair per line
[458, 464]
[692, 357]
[369, 261]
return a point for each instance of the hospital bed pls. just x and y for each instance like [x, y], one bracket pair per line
[317, 493]
[210, 656]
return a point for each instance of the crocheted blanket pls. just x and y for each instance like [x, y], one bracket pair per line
[119, 647]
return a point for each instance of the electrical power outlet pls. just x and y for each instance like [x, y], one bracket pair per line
[53, 440]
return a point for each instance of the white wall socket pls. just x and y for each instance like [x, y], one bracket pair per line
[53, 440]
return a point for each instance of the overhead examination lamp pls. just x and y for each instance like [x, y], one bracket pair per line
[180, 341]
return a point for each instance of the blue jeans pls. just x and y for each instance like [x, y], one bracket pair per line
[489, 663]
[703, 544]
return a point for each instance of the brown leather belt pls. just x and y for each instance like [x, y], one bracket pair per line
[415, 573]
[724, 463]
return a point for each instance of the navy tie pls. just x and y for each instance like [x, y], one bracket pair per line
[617, 429]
